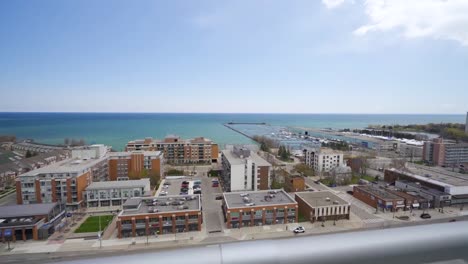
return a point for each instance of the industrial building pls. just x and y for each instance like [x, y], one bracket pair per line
[257, 208]
[177, 150]
[446, 183]
[378, 198]
[142, 216]
[24, 222]
[434, 197]
[244, 170]
[322, 206]
[115, 193]
[135, 164]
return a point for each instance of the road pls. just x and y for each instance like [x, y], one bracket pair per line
[8, 200]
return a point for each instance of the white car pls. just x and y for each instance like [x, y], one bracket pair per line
[299, 229]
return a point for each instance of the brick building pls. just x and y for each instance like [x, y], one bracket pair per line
[259, 208]
[133, 165]
[162, 215]
[322, 206]
[294, 183]
[177, 150]
[378, 198]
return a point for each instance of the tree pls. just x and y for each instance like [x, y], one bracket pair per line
[154, 178]
[28, 154]
[303, 169]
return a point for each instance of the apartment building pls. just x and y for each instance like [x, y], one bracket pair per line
[445, 153]
[244, 170]
[258, 208]
[322, 206]
[134, 164]
[323, 160]
[115, 193]
[177, 150]
[64, 181]
[142, 216]
[9, 171]
[378, 198]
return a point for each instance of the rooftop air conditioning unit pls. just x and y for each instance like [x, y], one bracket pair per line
[327, 199]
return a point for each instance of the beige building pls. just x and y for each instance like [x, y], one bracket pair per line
[177, 150]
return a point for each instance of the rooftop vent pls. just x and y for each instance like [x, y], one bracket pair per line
[182, 207]
[327, 199]
[336, 202]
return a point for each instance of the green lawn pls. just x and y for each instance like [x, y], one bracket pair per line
[368, 178]
[91, 224]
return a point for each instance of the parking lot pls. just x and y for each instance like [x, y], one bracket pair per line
[212, 214]
[213, 219]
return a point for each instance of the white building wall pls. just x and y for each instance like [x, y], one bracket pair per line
[237, 177]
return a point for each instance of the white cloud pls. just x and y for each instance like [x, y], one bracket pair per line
[330, 4]
[437, 19]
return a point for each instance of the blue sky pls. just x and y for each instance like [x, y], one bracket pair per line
[330, 56]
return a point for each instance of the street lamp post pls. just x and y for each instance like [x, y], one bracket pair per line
[100, 235]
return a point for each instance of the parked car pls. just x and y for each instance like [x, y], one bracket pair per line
[185, 182]
[452, 220]
[197, 182]
[197, 192]
[425, 216]
[299, 229]
[167, 183]
[219, 197]
[350, 192]
[184, 189]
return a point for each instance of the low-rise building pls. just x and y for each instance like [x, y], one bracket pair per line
[244, 170]
[115, 193]
[257, 208]
[322, 206]
[135, 164]
[24, 222]
[434, 197]
[294, 183]
[323, 160]
[412, 200]
[378, 198]
[142, 216]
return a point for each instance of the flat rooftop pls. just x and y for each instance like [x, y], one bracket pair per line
[379, 192]
[129, 153]
[322, 198]
[427, 189]
[156, 205]
[258, 198]
[73, 165]
[237, 160]
[118, 184]
[25, 210]
[438, 176]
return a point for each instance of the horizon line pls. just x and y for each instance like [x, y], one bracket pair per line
[246, 113]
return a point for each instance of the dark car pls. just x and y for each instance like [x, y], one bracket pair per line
[197, 192]
[425, 216]
[350, 192]
[452, 220]
[219, 197]
[185, 182]
[184, 189]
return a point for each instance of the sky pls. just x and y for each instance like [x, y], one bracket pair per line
[239, 56]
